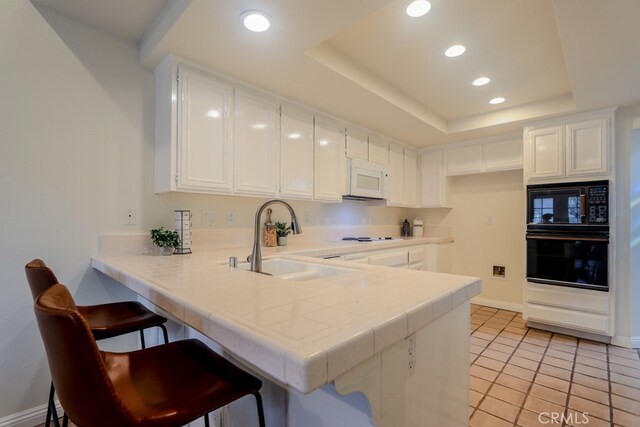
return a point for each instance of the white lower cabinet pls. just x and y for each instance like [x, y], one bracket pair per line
[435, 257]
[390, 258]
[579, 309]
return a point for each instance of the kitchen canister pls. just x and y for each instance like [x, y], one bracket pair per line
[418, 230]
[183, 228]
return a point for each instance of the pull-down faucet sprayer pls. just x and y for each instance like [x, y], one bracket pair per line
[256, 255]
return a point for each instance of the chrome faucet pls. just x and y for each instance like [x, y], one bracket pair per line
[256, 256]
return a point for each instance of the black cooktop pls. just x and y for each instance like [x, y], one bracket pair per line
[366, 239]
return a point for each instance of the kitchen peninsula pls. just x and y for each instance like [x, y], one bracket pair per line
[398, 337]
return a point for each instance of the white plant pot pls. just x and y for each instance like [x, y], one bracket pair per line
[166, 250]
[282, 241]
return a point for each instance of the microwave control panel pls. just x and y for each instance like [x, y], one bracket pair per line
[598, 204]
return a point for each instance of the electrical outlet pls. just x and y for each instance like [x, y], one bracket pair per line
[411, 355]
[499, 271]
[130, 217]
[208, 217]
[305, 217]
[230, 216]
[490, 220]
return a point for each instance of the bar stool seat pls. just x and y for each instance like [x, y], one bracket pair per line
[163, 386]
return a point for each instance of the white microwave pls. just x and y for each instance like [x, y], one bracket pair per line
[366, 180]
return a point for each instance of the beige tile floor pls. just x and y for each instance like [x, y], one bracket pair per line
[525, 377]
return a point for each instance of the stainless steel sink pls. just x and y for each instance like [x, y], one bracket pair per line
[287, 269]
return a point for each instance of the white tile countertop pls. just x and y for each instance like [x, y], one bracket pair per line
[302, 334]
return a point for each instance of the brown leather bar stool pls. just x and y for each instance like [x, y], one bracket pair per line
[163, 386]
[104, 320]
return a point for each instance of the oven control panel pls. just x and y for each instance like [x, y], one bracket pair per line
[598, 204]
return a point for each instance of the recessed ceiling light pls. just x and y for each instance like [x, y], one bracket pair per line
[255, 21]
[481, 81]
[418, 8]
[498, 100]
[455, 50]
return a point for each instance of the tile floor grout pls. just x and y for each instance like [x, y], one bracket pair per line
[563, 356]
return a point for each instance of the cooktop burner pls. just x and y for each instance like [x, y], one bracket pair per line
[366, 239]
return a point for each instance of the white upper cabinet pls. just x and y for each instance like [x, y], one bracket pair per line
[433, 185]
[193, 131]
[546, 153]
[579, 147]
[464, 160]
[410, 178]
[256, 135]
[296, 153]
[329, 161]
[588, 147]
[395, 179]
[357, 144]
[378, 150]
[502, 155]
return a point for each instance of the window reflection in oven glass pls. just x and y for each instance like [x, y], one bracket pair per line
[562, 209]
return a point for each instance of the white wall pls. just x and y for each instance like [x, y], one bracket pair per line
[479, 245]
[77, 134]
[627, 248]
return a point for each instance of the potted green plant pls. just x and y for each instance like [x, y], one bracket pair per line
[166, 240]
[282, 230]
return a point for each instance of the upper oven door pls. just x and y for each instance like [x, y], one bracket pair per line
[548, 205]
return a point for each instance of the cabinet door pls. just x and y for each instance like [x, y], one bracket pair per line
[296, 153]
[464, 160]
[357, 144]
[588, 147]
[204, 142]
[329, 161]
[256, 136]
[545, 153]
[502, 155]
[391, 258]
[395, 179]
[378, 150]
[410, 178]
[433, 191]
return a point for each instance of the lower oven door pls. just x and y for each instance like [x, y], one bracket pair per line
[579, 261]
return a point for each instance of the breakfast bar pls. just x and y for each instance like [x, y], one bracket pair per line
[398, 337]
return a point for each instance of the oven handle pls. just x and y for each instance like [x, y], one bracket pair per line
[553, 237]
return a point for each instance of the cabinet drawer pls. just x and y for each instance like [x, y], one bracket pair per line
[572, 299]
[390, 259]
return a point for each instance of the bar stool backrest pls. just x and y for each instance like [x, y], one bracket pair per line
[76, 364]
[39, 276]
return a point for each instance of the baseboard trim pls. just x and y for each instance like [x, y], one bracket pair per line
[502, 305]
[28, 418]
[627, 342]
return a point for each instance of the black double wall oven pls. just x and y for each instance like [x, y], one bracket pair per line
[568, 234]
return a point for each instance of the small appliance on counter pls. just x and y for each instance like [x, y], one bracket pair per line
[418, 230]
[183, 228]
[406, 229]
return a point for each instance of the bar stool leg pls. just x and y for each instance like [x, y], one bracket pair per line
[165, 334]
[65, 421]
[52, 413]
[260, 409]
[142, 338]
